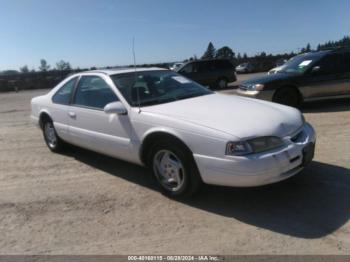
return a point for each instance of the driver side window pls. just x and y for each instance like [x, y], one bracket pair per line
[93, 92]
[329, 65]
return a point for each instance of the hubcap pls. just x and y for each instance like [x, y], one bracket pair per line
[168, 170]
[222, 83]
[50, 135]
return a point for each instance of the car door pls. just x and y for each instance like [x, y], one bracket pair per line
[344, 77]
[60, 105]
[90, 127]
[208, 72]
[323, 79]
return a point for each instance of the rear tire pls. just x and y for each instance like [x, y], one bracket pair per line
[222, 83]
[174, 169]
[52, 140]
[288, 96]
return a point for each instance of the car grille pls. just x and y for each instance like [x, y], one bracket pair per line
[243, 87]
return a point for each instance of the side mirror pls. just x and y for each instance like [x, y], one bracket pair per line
[115, 108]
[316, 69]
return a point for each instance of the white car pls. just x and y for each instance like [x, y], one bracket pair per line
[186, 133]
[176, 66]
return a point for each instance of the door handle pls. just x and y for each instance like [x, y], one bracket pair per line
[72, 115]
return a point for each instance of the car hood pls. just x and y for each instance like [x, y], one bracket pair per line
[238, 116]
[268, 78]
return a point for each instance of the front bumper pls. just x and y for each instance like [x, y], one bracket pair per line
[259, 169]
[264, 94]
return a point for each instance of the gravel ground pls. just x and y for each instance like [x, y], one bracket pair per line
[81, 202]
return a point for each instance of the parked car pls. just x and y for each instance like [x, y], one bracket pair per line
[312, 76]
[176, 66]
[215, 73]
[275, 70]
[185, 133]
[280, 64]
[245, 68]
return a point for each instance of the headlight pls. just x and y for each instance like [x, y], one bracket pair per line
[266, 143]
[258, 87]
[256, 145]
[238, 148]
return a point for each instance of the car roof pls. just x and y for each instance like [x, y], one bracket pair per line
[209, 60]
[115, 71]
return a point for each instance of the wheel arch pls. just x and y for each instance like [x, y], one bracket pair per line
[292, 86]
[222, 77]
[152, 137]
[44, 116]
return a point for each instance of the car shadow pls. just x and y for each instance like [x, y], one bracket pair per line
[332, 105]
[313, 204]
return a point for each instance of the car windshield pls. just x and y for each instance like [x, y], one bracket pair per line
[299, 64]
[156, 87]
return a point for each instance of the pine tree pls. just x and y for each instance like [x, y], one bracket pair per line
[210, 53]
[308, 47]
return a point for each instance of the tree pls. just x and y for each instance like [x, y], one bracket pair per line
[210, 53]
[44, 66]
[344, 42]
[63, 66]
[225, 52]
[308, 47]
[24, 69]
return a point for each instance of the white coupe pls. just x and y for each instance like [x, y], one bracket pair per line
[184, 132]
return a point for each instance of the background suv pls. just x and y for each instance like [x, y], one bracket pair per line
[311, 76]
[212, 73]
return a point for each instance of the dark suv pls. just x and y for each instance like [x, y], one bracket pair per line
[212, 73]
[306, 77]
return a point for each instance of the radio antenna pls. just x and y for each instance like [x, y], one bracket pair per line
[135, 74]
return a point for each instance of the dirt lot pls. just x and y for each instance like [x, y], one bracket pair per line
[80, 202]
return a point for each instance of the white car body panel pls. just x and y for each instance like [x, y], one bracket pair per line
[204, 124]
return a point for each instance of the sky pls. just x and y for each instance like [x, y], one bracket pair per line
[99, 32]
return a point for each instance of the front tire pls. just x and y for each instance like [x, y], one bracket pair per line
[52, 140]
[174, 169]
[288, 96]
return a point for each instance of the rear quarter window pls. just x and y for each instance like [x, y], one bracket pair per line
[63, 95]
